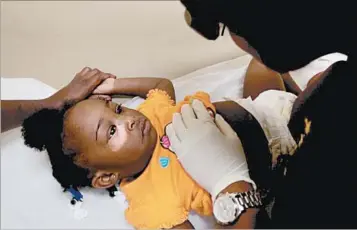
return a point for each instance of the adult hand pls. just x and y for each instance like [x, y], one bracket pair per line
[80, 87]
[208, 149]
[106, 87]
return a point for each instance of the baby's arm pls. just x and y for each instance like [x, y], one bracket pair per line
[136, 86]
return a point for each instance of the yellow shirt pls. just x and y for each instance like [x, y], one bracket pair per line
[164, 194]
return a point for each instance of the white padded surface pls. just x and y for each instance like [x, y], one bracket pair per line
[32, 199]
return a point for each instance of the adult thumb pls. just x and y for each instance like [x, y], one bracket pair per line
[224, 127]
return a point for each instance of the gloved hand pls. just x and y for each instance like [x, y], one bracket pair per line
[208, 149]
[272, 110]
[281, 142]
[280, 139]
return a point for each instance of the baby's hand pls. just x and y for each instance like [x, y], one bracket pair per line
[107, 87]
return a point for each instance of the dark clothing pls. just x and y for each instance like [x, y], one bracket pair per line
[320, 187]
[287, 34]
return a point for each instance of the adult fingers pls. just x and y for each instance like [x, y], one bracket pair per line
[224, 127]
[101, 77]
[284, 148]
[94, 72]
[292, 146]
[84, 71]
[188, 115]
[201, 111]
[174, 140]
[96, 80]
[112, 76]
[178, 126]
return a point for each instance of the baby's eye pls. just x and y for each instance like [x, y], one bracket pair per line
[118, 109]
[112, 130]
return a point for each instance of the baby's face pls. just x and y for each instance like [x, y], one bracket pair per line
[110, 137]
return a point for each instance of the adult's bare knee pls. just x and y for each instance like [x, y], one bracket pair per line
[260, 78]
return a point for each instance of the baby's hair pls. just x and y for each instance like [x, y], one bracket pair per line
[44, 131]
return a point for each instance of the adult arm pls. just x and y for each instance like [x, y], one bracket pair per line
[257, 154]
[195, 137]
[246, 220]
[13, 112]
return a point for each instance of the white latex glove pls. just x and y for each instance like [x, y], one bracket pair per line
[274, 122]
[281, 141]
[209, 150]
[274, 109]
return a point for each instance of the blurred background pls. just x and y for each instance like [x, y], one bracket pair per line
[51, 41]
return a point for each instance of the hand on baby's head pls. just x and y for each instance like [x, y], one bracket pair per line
[106, 87]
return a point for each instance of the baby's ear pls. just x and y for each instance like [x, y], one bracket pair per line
[39, 129]
[103, 179]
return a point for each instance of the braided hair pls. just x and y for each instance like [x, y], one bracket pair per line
[44, 131]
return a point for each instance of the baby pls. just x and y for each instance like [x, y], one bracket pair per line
[99, 143]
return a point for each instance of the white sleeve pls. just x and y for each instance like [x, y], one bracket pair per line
[304, 74]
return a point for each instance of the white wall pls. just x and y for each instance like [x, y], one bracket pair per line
[51, 41]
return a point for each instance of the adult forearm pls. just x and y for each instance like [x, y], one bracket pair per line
[13, 112]
[247, 219]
